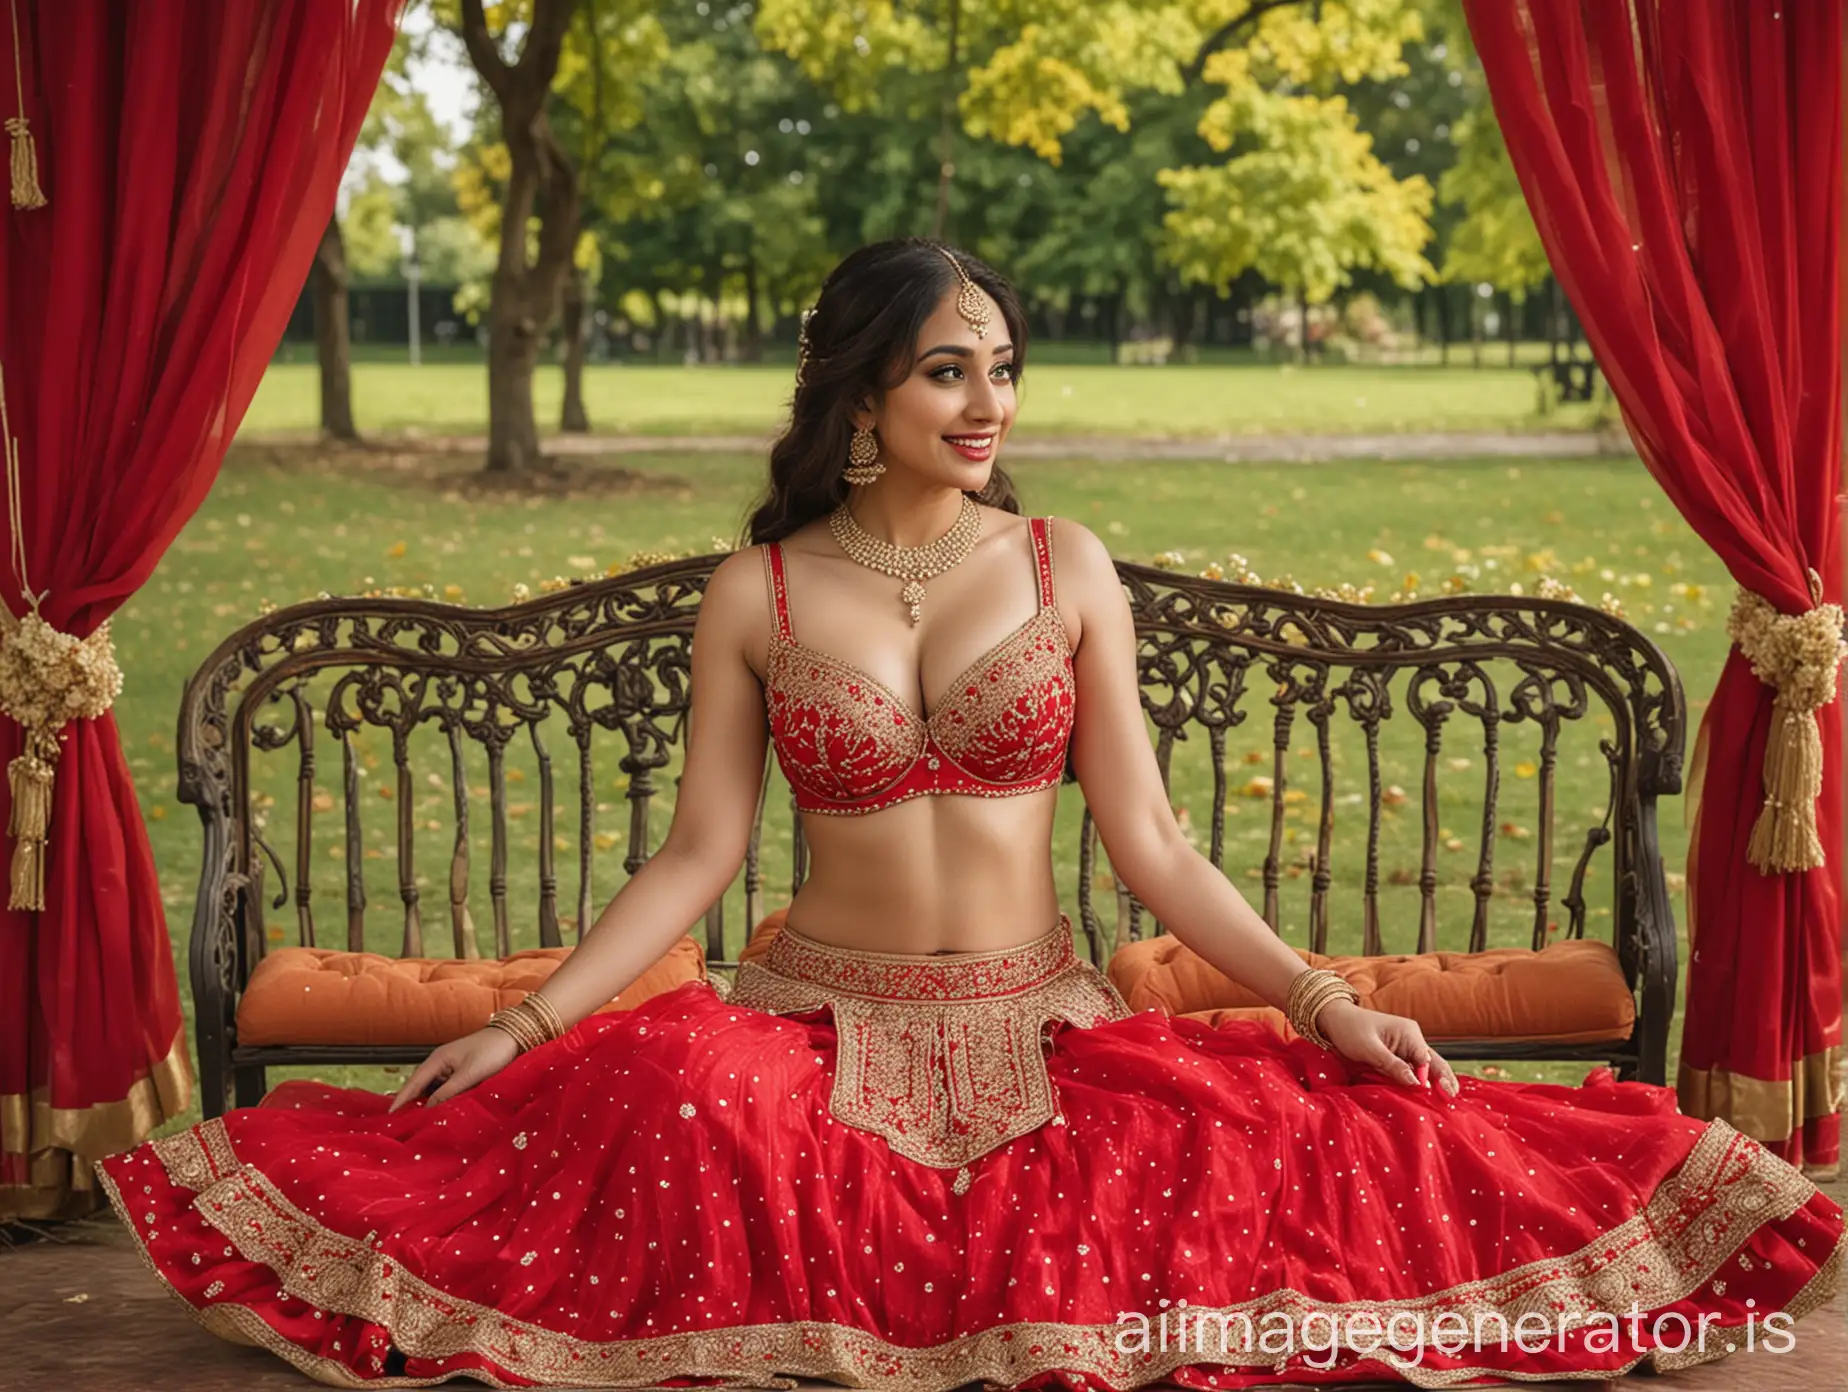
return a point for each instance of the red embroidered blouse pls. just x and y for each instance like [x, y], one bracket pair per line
[848, 745]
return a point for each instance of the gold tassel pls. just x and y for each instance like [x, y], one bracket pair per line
[30, 779]
[26, 190]
[1798, 656]
[47, 679]
[1784, 836]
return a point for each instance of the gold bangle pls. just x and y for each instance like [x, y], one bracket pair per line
[1350, 995]
[522, 1023]
[531, 1021]
[1319, 1000]
[515, 1023]
[1310, 992]
[510, 1028]
[1301, 985]
[549, 1018]
[535, 1018]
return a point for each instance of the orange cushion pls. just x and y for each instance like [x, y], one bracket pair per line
[767, 928]
[316, 995]
[1569, 992]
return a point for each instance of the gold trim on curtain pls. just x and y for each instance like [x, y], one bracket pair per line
[60, 1142]
[1767, 1109]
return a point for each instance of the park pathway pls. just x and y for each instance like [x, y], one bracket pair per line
[1233, 449]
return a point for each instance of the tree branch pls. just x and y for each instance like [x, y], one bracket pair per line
[483, 52]
[523, 179]
[545, 41]
[593, 135]
[1228, 31]
[559, 203]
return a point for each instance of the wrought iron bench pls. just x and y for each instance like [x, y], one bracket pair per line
[425, 708]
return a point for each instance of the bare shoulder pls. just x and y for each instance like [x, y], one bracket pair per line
[1083, 561]
[811, 538]
[736, 599]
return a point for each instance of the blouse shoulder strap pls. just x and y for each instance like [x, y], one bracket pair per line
[1042, 557]
[779, 585]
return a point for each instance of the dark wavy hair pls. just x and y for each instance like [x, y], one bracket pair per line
[862, 342]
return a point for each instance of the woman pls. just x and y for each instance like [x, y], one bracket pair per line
[869, 1165]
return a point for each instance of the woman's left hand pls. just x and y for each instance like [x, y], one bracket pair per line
[1391, 1043]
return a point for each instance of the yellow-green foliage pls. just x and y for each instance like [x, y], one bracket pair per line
[1301, 196]
[1496, 241]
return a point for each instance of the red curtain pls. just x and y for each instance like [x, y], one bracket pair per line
[1683, 164]
[190, 155]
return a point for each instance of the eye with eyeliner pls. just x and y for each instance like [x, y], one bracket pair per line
[1013, 373]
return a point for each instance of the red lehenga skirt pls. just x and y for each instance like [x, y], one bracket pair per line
[883, 1170]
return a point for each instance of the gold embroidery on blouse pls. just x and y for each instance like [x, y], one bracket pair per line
[841, 728]
[997, 716]
[1728, 1187]
[821, 703]
[942, 1055]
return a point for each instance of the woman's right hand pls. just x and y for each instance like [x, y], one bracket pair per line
[459, 1065]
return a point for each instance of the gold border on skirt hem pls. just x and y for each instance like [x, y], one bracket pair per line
[1766, 1109]
[1677, 1248]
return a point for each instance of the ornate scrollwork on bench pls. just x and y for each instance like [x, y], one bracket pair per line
[588, 688]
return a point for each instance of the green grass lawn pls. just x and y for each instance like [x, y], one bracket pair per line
[276, 532]
[1057, 399]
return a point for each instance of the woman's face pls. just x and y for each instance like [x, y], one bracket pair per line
[945, 422]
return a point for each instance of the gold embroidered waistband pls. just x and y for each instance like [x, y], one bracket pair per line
[943, 1055]
[911, 976]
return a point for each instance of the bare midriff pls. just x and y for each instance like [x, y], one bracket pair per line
[931, 876]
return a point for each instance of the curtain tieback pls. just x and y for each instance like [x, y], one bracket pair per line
[1797, 655]
[47, 680]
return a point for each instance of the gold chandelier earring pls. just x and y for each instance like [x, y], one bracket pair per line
[863, 464]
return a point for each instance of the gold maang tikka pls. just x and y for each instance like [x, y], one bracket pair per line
[968, 299]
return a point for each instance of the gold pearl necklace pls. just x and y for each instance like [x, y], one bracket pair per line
[912, 564]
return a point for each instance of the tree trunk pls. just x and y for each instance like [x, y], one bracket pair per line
[513, 354]
[753, 330]
[1185, 309]
[1443, 324]
[714, 318]
[572, 323]
[946, 132]
[1475, 329]
[540, 183]
[1513, 328]
[1555, 321]
[1302, 323]
[332, 340]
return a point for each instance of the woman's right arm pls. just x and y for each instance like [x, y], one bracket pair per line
[705, 843]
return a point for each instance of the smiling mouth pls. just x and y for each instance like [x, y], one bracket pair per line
[970, 444]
